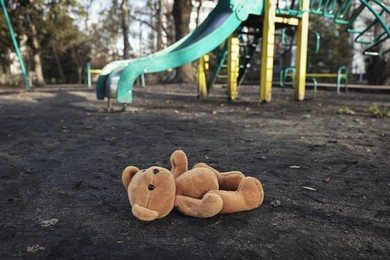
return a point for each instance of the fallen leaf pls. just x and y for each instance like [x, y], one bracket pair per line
[119, 242]
[327, 179]
[276, 203]
[49, 222]
[35, 248]
[308, 188]
[295, 166]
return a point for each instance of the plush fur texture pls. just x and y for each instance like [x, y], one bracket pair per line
[201, 192]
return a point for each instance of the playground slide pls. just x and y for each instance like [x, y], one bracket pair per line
[222, 21]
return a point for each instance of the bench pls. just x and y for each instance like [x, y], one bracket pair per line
[342, 74]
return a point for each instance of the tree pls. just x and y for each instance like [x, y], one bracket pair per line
[125, 29]
[378, 67]
[56, 48]
[31, 13]
[64, 44]
[182, 12]
[335, 46]
[6, 45]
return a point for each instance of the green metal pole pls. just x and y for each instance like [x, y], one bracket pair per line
[16, 47]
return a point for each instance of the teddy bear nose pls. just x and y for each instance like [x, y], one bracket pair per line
[155, 171]
[151, 187]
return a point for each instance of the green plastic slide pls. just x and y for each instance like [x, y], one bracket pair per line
[117, 78]
[222, 21]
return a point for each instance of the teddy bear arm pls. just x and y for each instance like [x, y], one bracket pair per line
[209, 206]
[143, 213]
[179, 163]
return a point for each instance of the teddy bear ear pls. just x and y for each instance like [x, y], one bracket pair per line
[128, 174]
[143, 213]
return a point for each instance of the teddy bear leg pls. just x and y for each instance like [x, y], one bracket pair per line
[230, 180]
[249, 195]
[209, 206]
[226, 180]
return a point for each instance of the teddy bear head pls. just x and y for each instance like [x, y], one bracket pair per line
[151, 191]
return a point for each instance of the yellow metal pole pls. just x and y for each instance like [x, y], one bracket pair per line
[233, 65]
[267, 50]
[302, 43]
[202, 76]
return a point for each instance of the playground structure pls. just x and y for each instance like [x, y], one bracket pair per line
[226, 21]
[342, 74]
[87, 75]
[11, 31]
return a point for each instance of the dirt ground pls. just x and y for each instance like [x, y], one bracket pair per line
[326, 175]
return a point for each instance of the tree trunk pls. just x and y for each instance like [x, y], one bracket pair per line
[125, 29]
[182, 12]
[377, 70]
[78, 63]
[151, 11]
[159, 25]
[36, 48]
[58, 63]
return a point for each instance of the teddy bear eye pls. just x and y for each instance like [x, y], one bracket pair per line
[151, 187]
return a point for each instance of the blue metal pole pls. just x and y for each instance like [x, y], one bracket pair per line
[16, 47]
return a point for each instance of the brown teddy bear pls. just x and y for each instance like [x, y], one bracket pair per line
[200, 192]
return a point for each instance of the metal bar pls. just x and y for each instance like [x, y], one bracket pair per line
[325, 75]
[89, 74]
[302, 45]
[287, 20]
[11, 31]
[267, 50]
[233, 65]
[342, 11]
[342, 76]
[95, 71]
[202, 76]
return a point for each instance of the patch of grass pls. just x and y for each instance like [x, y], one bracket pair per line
[376, 111]
[345, 111]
